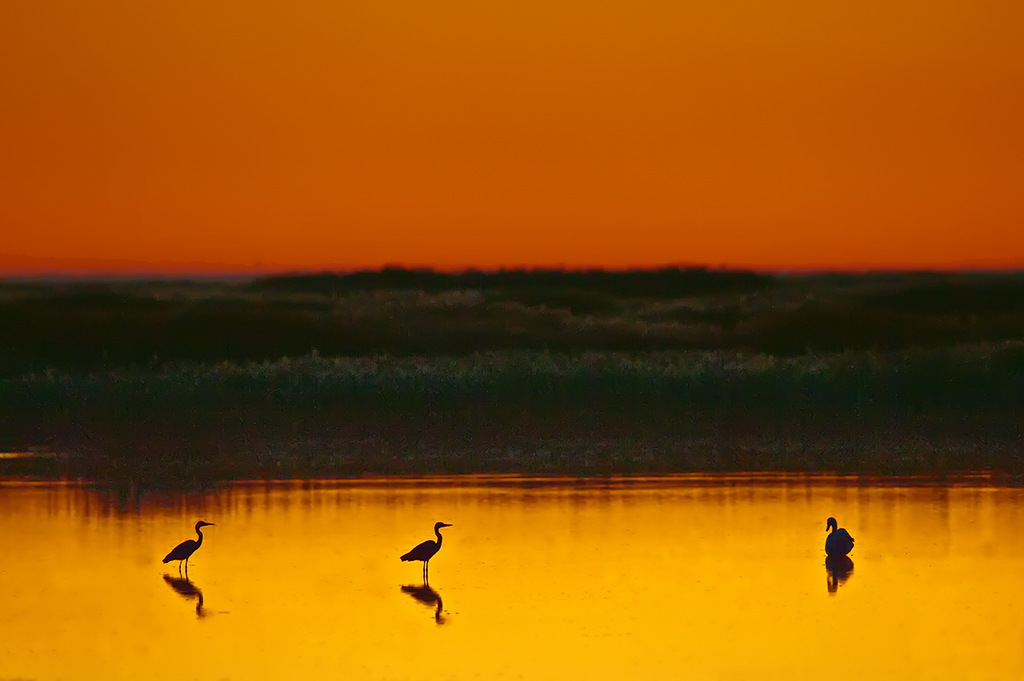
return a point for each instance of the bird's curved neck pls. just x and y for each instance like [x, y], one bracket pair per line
[199, 531]
[437, 531]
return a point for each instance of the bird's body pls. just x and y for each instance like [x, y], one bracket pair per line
[184, 550]
[424, 551]
[838, 542]
[427, 549]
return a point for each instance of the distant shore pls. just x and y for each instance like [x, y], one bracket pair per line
[182, 383]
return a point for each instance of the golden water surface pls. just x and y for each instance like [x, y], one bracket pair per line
[674, 578]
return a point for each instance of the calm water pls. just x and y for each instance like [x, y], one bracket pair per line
[694, 578]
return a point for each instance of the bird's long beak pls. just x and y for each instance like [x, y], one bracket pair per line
[447, 525]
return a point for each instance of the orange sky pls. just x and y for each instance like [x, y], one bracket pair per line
[353, 134]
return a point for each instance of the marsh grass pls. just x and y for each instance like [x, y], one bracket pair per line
[550, 372]
[923, 412]
[98, 325]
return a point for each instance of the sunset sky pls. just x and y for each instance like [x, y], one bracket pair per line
[227, 135]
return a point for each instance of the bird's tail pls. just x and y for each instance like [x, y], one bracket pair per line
[407, 556]
[167, 558]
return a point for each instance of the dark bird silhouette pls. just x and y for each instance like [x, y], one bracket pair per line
[188, 591]
[427, 596]
[427, 549]
[838, 569]
[184, 550]
[838, 542]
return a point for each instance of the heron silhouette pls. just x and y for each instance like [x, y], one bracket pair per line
[427, 549]
[184, 550]
[838, 542]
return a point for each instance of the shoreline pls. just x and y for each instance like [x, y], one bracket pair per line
[578, 373]
[191, 450]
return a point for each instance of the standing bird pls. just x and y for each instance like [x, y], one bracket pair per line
[838, 542]
[427, 549]
[184, 550]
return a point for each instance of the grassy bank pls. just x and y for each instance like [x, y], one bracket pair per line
[907, 412]
[419, 372]
[98, 325]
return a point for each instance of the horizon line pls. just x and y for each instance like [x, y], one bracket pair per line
[18, 266]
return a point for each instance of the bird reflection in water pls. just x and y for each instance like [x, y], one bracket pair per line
[838, 569]
[427, 596]
[187, 590]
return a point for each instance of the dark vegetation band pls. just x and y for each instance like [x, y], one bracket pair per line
[404, 313]
[187, 382]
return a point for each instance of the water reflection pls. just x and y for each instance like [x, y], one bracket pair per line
[529, 572]
[187, 590]
[838, 569]
[427, 596]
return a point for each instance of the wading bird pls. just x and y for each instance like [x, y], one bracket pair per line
[184, 550]
[427, 549]
[838, 542]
